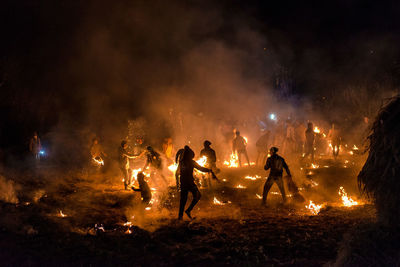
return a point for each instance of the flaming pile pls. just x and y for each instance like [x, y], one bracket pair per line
[233, 161]
[313, 208]
[346, 200]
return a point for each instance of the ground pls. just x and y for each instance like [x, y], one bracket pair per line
[86, 218]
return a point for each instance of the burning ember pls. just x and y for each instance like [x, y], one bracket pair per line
[258, 196]
[217, 202]
[347, 201]
[240, 186]
[148, 208]
[317, 130]
[61, 214]
[252, 177]
[202, 161]
[314, 166]
[233, 161]
[314, 208]
[355, 147]
[99, 161]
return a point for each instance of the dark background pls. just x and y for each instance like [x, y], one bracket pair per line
[48, 73]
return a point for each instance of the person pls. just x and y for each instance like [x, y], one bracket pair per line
[35, 146]
[289, 143]
[97, 152]
[211, 160]
[262, 146]
[153, 160]
[186, 167]
[276, 163]
[144, 189]
[178, 158]
[334, 138]
[310, 138]
[300, 136]
[123, 160]
[239, 147]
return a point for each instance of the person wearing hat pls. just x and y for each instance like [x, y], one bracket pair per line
[211, 159]
[276, 164]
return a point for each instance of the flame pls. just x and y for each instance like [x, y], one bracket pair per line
[62, 214]
[128, 232]
[128, 224]
[314, 166]
[233, 161]
[99, 162]
[347, 201]
[148, 208]
[217, 202]
[355, 147]
[245, 139]
[317, 130]
[173, 167]
[252, 177]
[314, 208]
[240, 186]
[202, 161]
[258, 196]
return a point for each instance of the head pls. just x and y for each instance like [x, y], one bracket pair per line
[149, 149]
[140, 177]
[273, 150]
[139, 140]
[35, 135]
[188, 154]
[310, 125]
[95, 141]
[207, 143]
[124, 145]
[237, 133]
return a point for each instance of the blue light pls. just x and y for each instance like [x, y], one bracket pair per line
[272, 116]
[41, 152]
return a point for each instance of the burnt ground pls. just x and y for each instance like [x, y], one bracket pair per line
[95, 232]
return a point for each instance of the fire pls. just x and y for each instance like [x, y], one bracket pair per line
[202, 161]
[148, 208]
[128, 232]
[173, 167]
[233, 161]
[252, 177]
[314, 166]
[355, 147]
[99, 161]
[245, 139]
[258, 196]
[347, 201]
[62, 214]
[217, 202]
[317, 130]
[240, 186]
[128, 224]
[314, 208]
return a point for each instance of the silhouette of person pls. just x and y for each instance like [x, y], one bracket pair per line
[239, 147]
[276, 163]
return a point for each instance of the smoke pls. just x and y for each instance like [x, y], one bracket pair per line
[7, 191]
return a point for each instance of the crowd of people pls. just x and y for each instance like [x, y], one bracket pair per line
[291, 137]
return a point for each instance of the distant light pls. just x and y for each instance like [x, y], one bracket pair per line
[272, 116]
[42, 152]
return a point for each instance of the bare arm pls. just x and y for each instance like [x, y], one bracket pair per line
[200, 168]
[286, 167]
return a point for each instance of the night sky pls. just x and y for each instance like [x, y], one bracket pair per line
[52, 59]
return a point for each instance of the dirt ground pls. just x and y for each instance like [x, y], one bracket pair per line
[85, 218]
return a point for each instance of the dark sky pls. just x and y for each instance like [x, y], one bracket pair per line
[53, 55]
